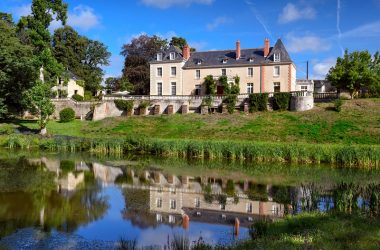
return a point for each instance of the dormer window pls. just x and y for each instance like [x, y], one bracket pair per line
[172, 55]
[251, 59]
[159, 56]
[199, 62]
[225, 60]
[276, 57]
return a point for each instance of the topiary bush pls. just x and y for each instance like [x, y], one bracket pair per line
[77, 98]
[124, 105]
[258, 102]
[281, 101]
[338, 103]
[67, 115]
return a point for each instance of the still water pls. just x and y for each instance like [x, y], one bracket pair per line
[80, 201]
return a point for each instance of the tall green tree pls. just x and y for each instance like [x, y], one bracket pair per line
[353, 72]
[18, 67]
[137, 55]
[180, 42]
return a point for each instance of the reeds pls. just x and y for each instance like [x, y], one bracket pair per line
[337, 154]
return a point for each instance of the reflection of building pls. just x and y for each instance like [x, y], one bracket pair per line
[171, 197]
[106, 174]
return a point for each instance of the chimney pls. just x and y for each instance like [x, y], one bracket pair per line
[238, 51]
[186, 52]
[266, 47]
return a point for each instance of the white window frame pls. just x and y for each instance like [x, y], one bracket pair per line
[159, 57]
[173, 204]
[159, 202]
[162, 71]
[197, 202]
[198, 74]
[159, 89]
[250, 74]
[225, 61]
[249, 207]
[198, 87]
[171, 219]
[172, 56]
[276, 57]
[173, 84]
[158, 217]
[250, 88]
[276, 84]
[224, 72]
[304, 88]
[275, 73]
[171, 71]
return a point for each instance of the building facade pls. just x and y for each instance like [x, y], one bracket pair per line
[261, 70]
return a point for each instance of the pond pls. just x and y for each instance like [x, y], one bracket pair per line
[51, 200]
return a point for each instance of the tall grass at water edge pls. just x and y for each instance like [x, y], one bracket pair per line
[337, 154]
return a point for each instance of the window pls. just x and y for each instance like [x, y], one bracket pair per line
[275, 210]
[172, 55]
[276, 71]
[197, 74]
[173, 71]
[171, 219]
[199, 61]
[159, 72]
[276, 87]
[225, 60]
[250, 72]
[159, 56]
[224, 72]
[173, 204]
[303, 88]
[159, 88]
[251, 59]
[198, 202]
[75, 92]
[198, 89]
[174, 88]
[158, 217]
[249, 207]
[249, 88]
[159, 202]
[276, 57]
[172, 190]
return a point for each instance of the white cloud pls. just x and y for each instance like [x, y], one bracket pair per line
[23, 10]
[306, 43]
[217, 22]
[366, 30]
[259, 18]
[292, 13]
[83, 17]
[321, 68]
[164, 4]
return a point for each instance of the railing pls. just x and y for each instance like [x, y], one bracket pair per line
[326, 96]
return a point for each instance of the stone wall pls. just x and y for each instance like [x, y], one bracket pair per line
[301, 103]
[82, 109]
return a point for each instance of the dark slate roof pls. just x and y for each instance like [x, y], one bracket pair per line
[216, 58]
[166, 55]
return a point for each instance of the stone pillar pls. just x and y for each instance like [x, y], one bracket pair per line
[246, 108]
[142, 111]
[170, 110]
[184, 109]
[156, 110]
[171, 179]
[157, 177]
[204, 110]
[224, 109]
[246, 186]
[185, 180]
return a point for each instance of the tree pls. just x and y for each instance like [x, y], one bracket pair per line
[18, 67]
[180, 42]
[353, 72]
[3, 109]
[137, 55]
[210, 85]
[118, 84]
[40, 104]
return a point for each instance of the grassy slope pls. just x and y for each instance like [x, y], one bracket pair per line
[320, 231]
[358, 123]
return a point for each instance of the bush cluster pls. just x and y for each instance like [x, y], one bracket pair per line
[67, 115]
[77, 98]
[230, 100]
[124, 105]
[258, 102]
[338, 103]
[281, 101]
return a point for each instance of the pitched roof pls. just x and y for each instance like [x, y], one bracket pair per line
[279, 48]
[166, 55]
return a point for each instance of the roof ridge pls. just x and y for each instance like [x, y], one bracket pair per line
[227, 50]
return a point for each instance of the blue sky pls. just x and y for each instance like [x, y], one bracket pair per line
[313, 30]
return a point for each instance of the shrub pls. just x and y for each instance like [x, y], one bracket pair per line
[258, 102]
[88, 95]
[338, 103]
[231, 100]
[67, 115]
[144, 104]
[281, 101]
[124, 105]
[259, 229]
[77, 98]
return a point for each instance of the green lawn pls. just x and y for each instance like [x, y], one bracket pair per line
[358, 123]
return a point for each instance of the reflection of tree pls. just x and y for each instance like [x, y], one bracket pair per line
[257, 192]
[346, 197]
[137, 208]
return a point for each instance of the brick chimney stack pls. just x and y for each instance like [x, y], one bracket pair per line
[238, 50]
[266, 47]
[186, 52]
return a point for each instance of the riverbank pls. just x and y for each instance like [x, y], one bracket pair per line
[347, 138]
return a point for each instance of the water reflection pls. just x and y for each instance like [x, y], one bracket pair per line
[85, 198]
